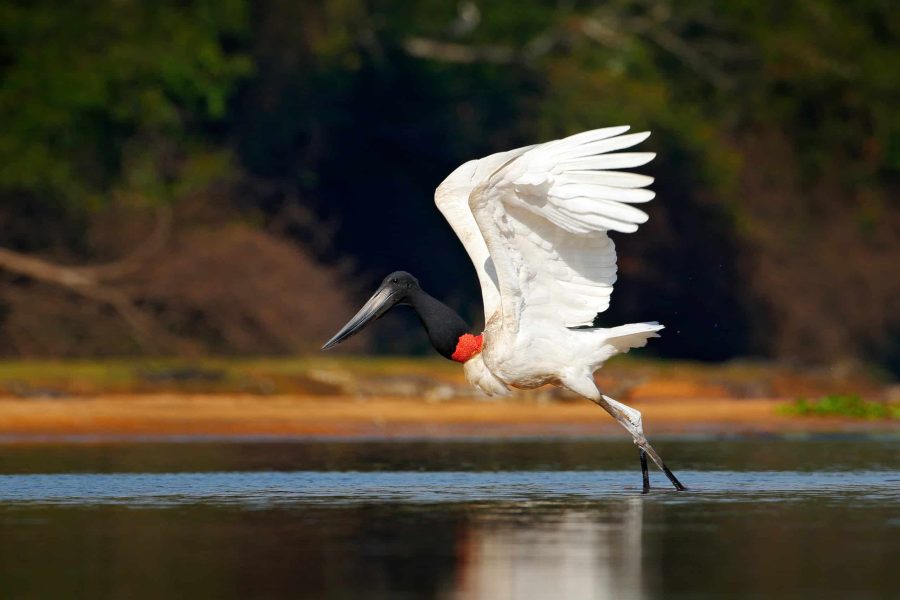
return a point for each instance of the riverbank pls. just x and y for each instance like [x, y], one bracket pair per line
[247, 416]
[400, 398]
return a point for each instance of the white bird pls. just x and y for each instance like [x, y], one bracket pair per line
[535, 223]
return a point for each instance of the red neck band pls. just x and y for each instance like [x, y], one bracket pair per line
[468, 346]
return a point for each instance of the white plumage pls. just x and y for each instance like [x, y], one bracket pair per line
[534, 221]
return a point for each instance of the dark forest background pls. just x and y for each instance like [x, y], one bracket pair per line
[231, 177]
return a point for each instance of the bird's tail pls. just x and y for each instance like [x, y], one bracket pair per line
[618, 340]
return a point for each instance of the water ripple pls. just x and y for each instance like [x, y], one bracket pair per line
[299, 487]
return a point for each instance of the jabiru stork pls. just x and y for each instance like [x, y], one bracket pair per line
[535, 223]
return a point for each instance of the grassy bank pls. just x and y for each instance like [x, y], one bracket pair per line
[625, 377]
[396, 397]
[208, 375]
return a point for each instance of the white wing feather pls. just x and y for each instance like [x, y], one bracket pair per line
[452, 199]
[543, 215]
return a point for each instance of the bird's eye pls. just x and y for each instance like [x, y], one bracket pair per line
[395, 280]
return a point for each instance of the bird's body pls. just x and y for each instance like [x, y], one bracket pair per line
[565, 357]
[534, 222]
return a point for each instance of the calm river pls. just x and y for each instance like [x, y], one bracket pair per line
[764, 518]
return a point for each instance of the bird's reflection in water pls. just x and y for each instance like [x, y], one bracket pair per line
[572, 554]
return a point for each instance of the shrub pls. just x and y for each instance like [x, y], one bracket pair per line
[843, 405]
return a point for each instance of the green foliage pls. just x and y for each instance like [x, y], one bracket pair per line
[843, 406]
[108, 95]
[98, 95]
[775, 123]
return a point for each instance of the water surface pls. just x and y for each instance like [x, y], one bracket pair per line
[764, 518]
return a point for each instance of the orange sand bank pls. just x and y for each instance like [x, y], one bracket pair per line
[304, 416]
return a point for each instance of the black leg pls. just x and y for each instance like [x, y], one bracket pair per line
[644, 472]
[630, 419]
[673, 479]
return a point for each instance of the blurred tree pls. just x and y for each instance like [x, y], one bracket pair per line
[776, 130]
[115, 98]
[108, 102]
[775, 232]
[114, 106]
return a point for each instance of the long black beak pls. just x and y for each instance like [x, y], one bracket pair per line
[380, 302]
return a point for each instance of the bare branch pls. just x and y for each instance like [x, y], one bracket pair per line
[127, 265]
[611, 30]
[459, 53]
[41, 270]
[88, 281]
[597, 31]
[670, 42]
[147, 334]
[75, 280]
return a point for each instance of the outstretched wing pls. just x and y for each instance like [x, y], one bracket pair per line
[544, 215]
[452, 199]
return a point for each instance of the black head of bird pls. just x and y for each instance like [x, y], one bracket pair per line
[443, 326]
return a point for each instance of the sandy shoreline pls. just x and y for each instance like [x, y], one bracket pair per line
[296, 416]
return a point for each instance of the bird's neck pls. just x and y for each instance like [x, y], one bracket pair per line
[446, 330]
